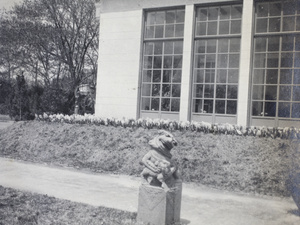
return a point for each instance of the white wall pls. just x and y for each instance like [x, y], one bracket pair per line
[118, 64]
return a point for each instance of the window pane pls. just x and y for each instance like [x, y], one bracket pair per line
[210, 61]
[213, 13]
[209, 76]
[146, 90]
[275, 9]
[179, 28]
[156, 90]
[149, 32]
[148, 62]
[166, 90]
[203, 14]
[211, 46]
[197, 103]
[160, 17]
[167, 76]
[147, 75]
[235, 45]
[209, 91]
[157, 62]
[274, 24]
[223, 45]
[234, 60]
[272, 76]
[284, 109]
[296, 110]
[223, 61]
[232, 91]
[168, 47]
[261, 25]
[221, 76]
[176, 76]
[221, 91]
[257, 109]
[272, 60]
[236, 12]
[150, 18]
[296, 93]
[259, 60]
[198, 90]
[159, 31]
[165, 104]
[224, 27]
[224, 12]
[258, 92]
[297, 59]
[231, 107]
[177, 62]
[201, 29]
[260, 44]
[178, 47]
[208, 106]
[199, 76]
[286, 59]
[287, 43]
[199, 61]
[155, 104]
[212, 28]
[286, 76]
[145, 103]
[259, 76]
[220, 107]
[262, 9]
[285, 93]
[170, 31]
[200, 46]
[149, 48]
[233, 76]
[296, 76]
[270, 109]
[289, 9]
[271, 93]
[273, 44]
[180, 16]
[288, 23]
[235, 27]
[170, 17]
[158, 48]
[168, 62]
[176, 90]
[175, 104]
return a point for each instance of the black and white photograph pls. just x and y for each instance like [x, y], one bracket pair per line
[149, 112]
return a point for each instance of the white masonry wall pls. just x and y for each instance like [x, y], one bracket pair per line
[118, 64]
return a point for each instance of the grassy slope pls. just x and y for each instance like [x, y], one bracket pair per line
[18, 208]
[235, 163]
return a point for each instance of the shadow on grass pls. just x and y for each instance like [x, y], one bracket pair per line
[295, 212]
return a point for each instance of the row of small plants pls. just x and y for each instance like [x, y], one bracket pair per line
[287, 132]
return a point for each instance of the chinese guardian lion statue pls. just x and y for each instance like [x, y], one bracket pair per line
[159, 169]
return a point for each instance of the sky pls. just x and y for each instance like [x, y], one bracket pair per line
[7, 4]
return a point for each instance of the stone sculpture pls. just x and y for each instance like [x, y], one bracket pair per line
[160, 192]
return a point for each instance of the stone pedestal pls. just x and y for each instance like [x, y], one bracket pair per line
[158, 206]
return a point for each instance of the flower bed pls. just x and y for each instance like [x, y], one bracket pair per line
[287, 132]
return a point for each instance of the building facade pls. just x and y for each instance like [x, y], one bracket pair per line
[219, 61]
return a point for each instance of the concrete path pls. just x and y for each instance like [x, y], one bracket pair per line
[200, 205]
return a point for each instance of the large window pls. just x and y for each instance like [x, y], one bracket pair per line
[276, 66]
[216, 62]
[162, 62]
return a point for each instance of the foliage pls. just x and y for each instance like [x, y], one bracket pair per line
[288, 132]
[54, 44]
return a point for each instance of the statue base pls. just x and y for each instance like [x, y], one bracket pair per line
[158, 206]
